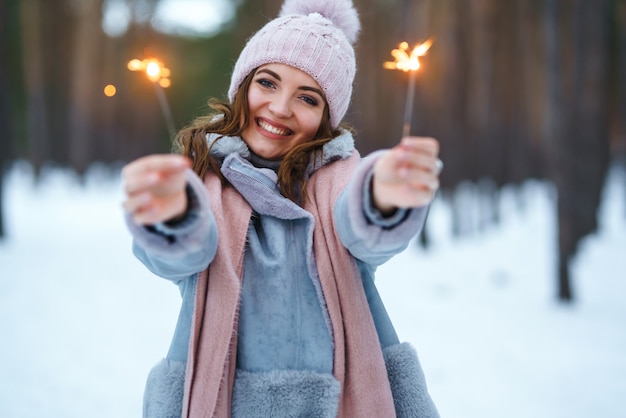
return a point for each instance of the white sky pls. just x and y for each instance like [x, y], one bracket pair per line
[185, 17]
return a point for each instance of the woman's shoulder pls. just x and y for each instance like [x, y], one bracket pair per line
[339, 148]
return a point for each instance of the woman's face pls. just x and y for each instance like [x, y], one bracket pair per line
[286, 107]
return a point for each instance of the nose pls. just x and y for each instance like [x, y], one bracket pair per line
[280, 106]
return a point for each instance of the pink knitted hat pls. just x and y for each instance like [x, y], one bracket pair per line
[315, 36]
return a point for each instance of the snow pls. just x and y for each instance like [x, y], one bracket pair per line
[82, 322]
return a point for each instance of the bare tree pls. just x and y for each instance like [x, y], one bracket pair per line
[578, 35]
[37, 136]
[6, 94]
[86, 85]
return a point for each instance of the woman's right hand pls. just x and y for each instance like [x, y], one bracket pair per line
[155, 188]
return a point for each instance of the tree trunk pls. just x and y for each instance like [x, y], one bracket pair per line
[37, 138]
[618, 78]
[376, 109]
[86, 85]
[11, 93]
[580, 153]
[619, 116]
[5, 119]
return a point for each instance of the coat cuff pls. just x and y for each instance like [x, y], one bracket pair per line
[372, 214]
[408, 384]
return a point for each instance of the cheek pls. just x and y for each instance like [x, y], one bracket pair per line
[312, 123]
[253, 99]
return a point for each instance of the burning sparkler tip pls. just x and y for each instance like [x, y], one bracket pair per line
[155, 70]
[406, 60]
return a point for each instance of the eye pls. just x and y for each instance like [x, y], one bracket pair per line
[265, 83]
[309, 100]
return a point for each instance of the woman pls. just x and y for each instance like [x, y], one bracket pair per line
[273, 236]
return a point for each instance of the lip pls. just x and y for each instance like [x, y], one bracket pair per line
[279, 126]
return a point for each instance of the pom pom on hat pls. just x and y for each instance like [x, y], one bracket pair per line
[340, 12]
[315, 36]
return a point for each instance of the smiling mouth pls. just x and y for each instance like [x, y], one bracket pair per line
[272, 129]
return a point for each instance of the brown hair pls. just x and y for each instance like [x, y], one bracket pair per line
[232, 120]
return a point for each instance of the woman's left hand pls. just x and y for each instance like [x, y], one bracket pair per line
[408, 175]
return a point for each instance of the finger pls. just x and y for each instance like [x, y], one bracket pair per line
[417, 157]
[422, 170]
[412, 163]
[158, 181]
[137, 202]
[422, 193]
[159, 210]
[140, 182]
[146, 210]
[427, 145]
[399, 167]
[146, 216]
[160, 162]
[421, 181]
[169, 184]
[419, 170]
[157, 162]
[424, 197]
[421, 161]
[429, 165]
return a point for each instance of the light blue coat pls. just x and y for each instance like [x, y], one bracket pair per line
[285, 346]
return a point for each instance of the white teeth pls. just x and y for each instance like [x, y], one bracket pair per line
[272, 129]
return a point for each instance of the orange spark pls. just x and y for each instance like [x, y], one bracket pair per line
[155, 70]
[406, 60]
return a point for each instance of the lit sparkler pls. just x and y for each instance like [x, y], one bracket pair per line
[408, 61]
[160, 76]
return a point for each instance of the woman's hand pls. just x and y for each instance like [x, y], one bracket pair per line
[155, 188]
[407, 176]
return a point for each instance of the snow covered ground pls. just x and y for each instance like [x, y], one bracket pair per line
[82, 322]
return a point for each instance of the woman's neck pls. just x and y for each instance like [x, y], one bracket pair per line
[261, 162]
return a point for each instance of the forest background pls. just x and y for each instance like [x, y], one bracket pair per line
[515, 90]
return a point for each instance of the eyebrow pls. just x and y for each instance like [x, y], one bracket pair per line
[305, 88]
